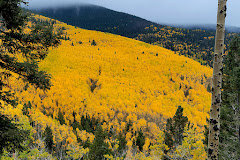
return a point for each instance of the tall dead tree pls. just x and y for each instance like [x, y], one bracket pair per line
[214, 127]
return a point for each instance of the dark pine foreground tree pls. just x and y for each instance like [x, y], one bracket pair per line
[140, 140]
[48, 139]
[175, 128]
[98, 148]
[10, 136]
[31, 47]
[122, 144]
[230, 112]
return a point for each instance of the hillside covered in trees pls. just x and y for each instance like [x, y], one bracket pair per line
[122, 94]
[197, 44]
[93, 17]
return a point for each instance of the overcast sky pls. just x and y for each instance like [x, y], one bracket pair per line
[161, 11]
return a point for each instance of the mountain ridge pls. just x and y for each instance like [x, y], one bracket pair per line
[197, 44]
[94, 17]
[211, 27]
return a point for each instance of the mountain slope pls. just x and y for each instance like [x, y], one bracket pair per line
[98, 18]
[120, 75]
[126, 85]
[197, 44]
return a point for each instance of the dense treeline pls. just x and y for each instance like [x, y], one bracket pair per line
[179, 140]
[196, 44]
[98, 18]
[230, 110]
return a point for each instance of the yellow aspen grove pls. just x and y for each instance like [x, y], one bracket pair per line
[214, 127]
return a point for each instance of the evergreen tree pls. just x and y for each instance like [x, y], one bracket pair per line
[75, 123]
[98, 148]
[11, 137]
[26, 107]
[175, 128]
[88, 123]
[93, 43]
[48, 139]
[32, 47]
[140, 140]
[180, 122]
[230, 112]
[61, 117]
[169, 133]
[206, 133]
[122, 143]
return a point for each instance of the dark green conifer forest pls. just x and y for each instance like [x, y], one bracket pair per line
[230, 111]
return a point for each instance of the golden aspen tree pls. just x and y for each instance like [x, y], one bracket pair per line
[129, 96]
[214, 127]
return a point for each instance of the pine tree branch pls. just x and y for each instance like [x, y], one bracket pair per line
[28, 71]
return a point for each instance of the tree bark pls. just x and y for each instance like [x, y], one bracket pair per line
[214, 127]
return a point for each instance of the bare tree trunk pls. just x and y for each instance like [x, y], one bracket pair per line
[214, 127]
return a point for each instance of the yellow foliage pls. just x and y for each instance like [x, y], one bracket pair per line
[146, 145]
[76, 152]
[84, 136]
[157, 150]
[192, 147]
[117, 81]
